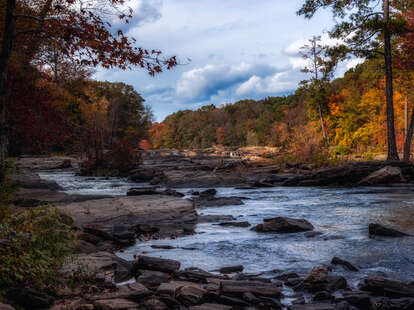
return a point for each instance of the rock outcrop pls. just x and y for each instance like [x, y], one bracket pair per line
[380, 230]
[283, 225]
[122, 219]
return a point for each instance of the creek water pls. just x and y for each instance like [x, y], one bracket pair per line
[341, 214]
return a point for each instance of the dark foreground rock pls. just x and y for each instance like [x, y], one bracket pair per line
[208, 202]
[380, 230]
[254, 287]
[145, 191]
[346, 264]
[312, 307]
[101, 266]
[386, 287]
[30, 299]
[231, 269]
[157, 264]
[215, 218]
[283, 225]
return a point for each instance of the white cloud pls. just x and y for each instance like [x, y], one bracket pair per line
[235, 46]
[271, 85]
[202, 83]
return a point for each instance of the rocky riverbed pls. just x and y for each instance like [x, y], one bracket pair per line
[215, 249]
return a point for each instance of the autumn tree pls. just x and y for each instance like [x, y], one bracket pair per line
[367, 30]
[404, 65]
[321, 67]
[73, 28]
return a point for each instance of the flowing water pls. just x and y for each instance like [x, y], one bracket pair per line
[341, 214]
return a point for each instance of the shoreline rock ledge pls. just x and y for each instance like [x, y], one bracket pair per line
[122, 220]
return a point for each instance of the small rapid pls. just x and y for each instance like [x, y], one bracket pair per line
[341, 214]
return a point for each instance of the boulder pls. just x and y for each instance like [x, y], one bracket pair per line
[5, 307]
[194, 275]
[156, 264]
[97, 263]
[30, 180]
[208, 193]
[320, 280]
[283, 225]
[154, 304]
[317, 275]
[361, 300]
[395, 304]
[254, 287]
[142, 175]
[236, 302]
[380, 230]
[342, 305]
[322, 295]
[134, 291]
[346, 264]
[114, 304]
[386, 287]
[385, 175]
[152, 279]
[171, 288]
[190, 295]
[231, 269]
[65, 164]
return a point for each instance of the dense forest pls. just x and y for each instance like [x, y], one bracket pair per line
[354, 116]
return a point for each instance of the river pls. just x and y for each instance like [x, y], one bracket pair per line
[341, 214]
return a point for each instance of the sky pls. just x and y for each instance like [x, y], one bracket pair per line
[228, 50]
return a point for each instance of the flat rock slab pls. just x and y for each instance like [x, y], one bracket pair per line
[168, 214]
[157, 264]
[254, 287]
[114, 304]
[99, 263]
[210, 202]
[134, 291]
[312, 307]
[211, 307]
[200, 179]
[386, 287]
[283, 225]
[380, 230]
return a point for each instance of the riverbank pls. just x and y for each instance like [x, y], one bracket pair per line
[105, 268]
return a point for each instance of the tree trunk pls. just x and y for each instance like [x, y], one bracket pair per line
[389, 92]
[322, 122]
[6, 50]
[408, 138]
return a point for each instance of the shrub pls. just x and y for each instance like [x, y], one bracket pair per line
[34, 244]
[8, 189]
